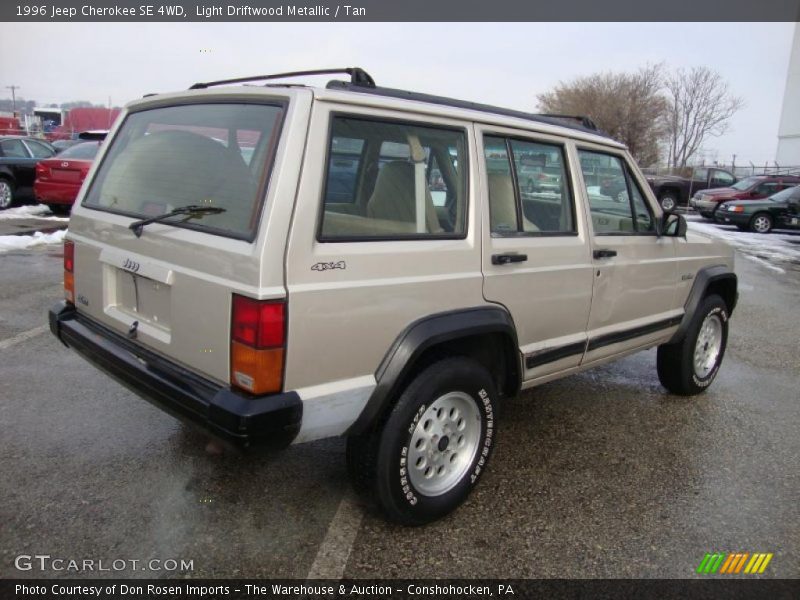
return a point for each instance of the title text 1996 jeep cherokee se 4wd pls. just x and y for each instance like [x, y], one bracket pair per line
[273, 264]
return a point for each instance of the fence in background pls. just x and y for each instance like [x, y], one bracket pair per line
[740, 171]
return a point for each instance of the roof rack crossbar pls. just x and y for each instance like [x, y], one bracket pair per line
[358, 77]
[582, 119]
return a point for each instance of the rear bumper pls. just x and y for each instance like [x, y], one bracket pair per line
[56, 193]
[238, 419]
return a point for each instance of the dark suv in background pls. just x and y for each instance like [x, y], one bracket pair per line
[673, 191]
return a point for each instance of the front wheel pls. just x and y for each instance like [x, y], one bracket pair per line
[761, 223]
[433, 446]
[689, 366]
[6, 194]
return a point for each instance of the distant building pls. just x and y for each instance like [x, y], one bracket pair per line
[789, 127]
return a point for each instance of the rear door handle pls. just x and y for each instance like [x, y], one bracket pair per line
[605, 253]
[504, 259]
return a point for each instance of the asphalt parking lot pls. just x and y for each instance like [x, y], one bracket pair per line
[602, 474]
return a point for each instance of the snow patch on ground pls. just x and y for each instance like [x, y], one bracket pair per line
[761, 248]
[36, 211]
[22, 242]
[765, 263]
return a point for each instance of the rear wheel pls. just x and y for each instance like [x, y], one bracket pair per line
[688, 367]
[761, 223]
[430, 451]
[668, 201]
[6, 193]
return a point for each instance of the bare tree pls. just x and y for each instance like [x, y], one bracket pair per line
[700, 105]
[627, 106]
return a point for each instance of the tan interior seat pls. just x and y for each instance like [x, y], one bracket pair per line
[393, 197]
[502, 205]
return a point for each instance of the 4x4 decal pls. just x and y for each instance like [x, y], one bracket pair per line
[326, 266]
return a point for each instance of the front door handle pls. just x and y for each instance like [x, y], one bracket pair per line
[604, 253]
[504, 259]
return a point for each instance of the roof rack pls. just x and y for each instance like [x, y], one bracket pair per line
[358, 77]
[361, 81]
[583, 124]
[583, 120]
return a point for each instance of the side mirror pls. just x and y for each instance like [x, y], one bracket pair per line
[673, 225]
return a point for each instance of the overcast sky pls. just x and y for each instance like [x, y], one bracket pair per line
[496, 63]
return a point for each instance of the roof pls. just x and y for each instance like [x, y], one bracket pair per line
[362, 82]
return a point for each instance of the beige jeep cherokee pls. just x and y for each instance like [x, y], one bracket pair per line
[281, 264]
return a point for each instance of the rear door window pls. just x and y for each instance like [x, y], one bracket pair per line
[393, 180]
[531, 193]
[216, 155]
[39, 150]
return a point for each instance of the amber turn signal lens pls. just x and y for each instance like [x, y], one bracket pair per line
[257, 371]
[69, 286]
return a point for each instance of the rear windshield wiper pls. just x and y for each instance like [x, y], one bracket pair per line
[193, 210]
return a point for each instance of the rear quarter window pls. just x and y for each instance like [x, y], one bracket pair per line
[197, 154]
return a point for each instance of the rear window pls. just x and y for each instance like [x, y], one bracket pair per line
[198, 154]
[83, 151]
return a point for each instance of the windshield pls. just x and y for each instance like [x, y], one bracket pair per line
[198, 154]
[785, 195]
[745, 184]
[82, 151]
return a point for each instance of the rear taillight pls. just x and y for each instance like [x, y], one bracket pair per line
[41, 171]
[258, 340]
[69, 270]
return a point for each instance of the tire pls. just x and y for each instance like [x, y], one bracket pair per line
[688, 367]
[761, 223]
[6, 193]
[452, 397]
[622, 196]
[60, 209]
[668, 201]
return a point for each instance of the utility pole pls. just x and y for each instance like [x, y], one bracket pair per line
[13, 89]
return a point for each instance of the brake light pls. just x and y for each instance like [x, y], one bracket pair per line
[69, 270]
[258, 340]
[41, 170]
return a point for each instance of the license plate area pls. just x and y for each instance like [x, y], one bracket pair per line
[66, 174]
[143, 299]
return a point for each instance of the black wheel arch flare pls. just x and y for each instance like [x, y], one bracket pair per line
[426, 335]
[718, 279]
